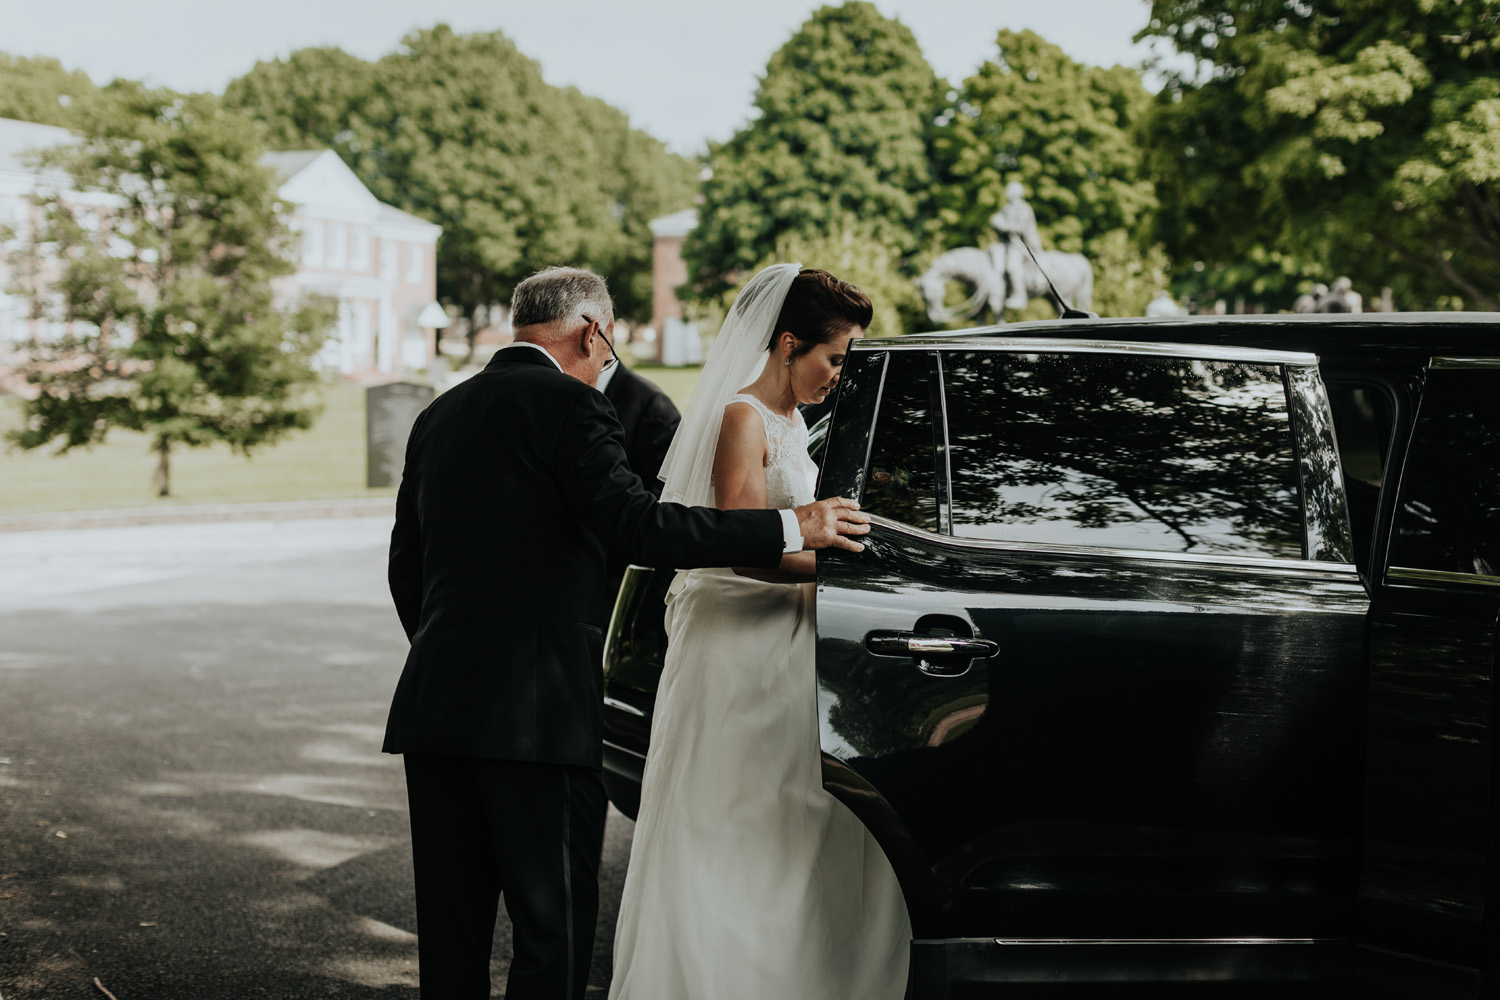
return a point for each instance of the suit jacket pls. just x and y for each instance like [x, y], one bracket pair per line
[515, 486]
[649, 419]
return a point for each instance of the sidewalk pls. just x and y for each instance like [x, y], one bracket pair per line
[288, 510]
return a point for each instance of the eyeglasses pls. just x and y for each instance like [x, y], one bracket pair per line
[614, 358]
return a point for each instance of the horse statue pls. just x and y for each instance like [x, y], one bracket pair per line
[985, 272]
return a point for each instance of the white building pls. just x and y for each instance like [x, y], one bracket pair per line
[17, 183]
[377, 261]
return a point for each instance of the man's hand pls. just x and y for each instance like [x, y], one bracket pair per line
[827, 523]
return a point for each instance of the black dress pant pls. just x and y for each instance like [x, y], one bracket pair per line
[531, 832]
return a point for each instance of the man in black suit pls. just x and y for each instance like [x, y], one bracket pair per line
[515, 486]
[649, 419]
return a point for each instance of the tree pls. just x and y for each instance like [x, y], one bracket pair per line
[39, 89]
[462, 130]
[1359, 135]
[1126, 276]
[837, 135]
[1062, 129]
[640, 181]
[315, 95]
[849, 253]
[1066, 132]
[159, 262]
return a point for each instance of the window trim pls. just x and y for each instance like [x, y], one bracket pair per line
[1306, 392]
[1047, 345]
[942, 458]
[1416, 574]
[1463, 364]
[1107, 551]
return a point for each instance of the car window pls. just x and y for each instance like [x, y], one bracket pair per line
[1364, 416]
[1448, 516]
[902, 479]
[1126, 451]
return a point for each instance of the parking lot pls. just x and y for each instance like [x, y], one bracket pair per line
[193, 796]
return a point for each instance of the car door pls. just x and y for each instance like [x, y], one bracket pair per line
[1098, 675]
[1428, 887]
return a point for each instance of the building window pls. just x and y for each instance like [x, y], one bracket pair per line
[387, 259]
[55, 325]
[312, 243]
[12, 319]
[360, 249]
[338, 244]
[416, 263]
[14, 217]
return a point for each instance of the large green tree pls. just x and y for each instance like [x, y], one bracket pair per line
[1064, 130]
[462, 130]
[836, 145]
[156, 260]
[314, 95]
[1361, 135]
[40, 89]
[640, 180]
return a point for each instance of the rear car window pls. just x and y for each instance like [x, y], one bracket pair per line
[902, 483]
[1123, 451]
[1448, 518]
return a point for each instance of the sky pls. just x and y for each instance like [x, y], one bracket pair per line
[683, 70]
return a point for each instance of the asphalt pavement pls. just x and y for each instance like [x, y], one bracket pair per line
[193, 802]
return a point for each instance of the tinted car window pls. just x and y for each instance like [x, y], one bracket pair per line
[902, 481]
[1363, 417]
[1126, 451]
[1449, 516]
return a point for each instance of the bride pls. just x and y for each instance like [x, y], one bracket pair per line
[746, 878]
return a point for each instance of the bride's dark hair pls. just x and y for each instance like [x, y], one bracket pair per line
[819, 307]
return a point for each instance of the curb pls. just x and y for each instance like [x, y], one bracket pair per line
[288, 510]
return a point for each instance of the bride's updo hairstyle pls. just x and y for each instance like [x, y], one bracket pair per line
[819, 307]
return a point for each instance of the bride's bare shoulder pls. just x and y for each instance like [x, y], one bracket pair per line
[742, 419]
[743, 431]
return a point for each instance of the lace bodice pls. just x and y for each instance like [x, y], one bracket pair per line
[791, 477]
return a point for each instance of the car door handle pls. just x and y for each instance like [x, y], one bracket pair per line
[934, 653]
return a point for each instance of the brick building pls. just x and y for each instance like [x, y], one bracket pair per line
[676, 340]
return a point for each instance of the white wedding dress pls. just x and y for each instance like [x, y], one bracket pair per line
[748, 881]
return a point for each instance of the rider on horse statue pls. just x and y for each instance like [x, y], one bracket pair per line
[1014, 222]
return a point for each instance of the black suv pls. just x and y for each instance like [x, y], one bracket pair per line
[1170, 663]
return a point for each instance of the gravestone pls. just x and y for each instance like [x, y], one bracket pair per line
[390, 410]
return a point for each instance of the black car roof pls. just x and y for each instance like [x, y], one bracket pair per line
[1325, 334]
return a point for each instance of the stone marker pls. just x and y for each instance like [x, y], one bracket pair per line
[390, 410]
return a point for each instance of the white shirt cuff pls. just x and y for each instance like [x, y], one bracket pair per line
[791, 536]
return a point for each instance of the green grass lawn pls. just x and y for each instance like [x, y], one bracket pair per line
[326, 462]
[675, 382]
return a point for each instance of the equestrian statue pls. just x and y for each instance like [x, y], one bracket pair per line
[1004, 274]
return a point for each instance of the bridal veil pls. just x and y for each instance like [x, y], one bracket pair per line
[734, 360]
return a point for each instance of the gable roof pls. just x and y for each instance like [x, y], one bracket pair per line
[290, 164]
[391, 215]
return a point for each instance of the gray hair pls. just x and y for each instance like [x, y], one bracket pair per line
[560, 293]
